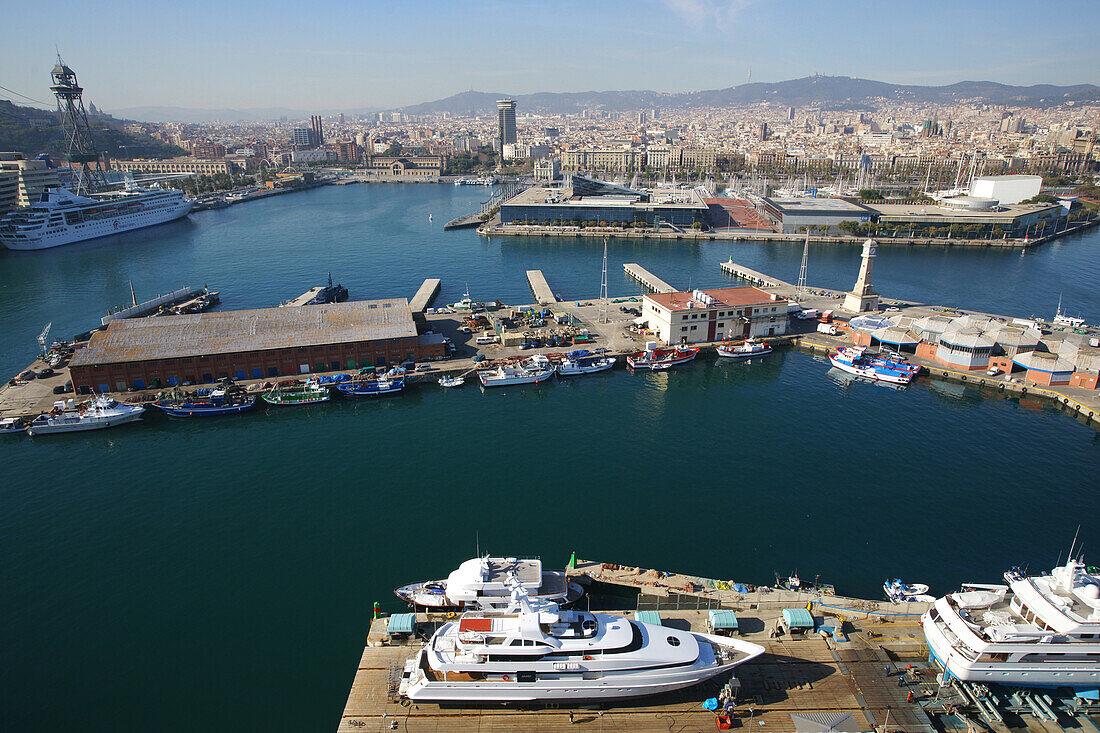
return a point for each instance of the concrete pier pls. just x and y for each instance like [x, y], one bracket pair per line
[424, 296]
[647, 278]
[543, 294]
[753, 277]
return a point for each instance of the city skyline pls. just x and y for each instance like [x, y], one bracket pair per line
[360, 57]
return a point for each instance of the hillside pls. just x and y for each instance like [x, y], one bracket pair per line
[834, 92]
[31, 131]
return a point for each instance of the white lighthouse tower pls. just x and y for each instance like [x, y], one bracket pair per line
[863, 297]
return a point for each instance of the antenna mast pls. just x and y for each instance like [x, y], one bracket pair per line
[802, 270]
[70, 105]
[603, 286]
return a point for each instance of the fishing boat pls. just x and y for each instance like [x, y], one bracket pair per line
[747, 348]
[12, 426]
[900, 592]
[483, 582]
[96, 414]
[451, 381]
[206, 403]
[854, 360]
[391, 382]
[532, 370]
[1038, 630]
[583, 361]
[466, 304]
[292, 393]
[653, 356]
[540, 652]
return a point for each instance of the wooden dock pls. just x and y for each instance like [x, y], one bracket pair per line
[543, 294]
[753, 277]
[647, 278]
[424, 296]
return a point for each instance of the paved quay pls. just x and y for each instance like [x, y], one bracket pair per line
[647, 278]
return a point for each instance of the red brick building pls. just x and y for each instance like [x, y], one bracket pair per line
[252, 344]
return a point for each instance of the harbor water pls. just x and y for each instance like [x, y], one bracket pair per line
[219, 574]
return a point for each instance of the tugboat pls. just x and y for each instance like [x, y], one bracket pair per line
[206, 403]
[295, 393]
[330, 294]
[655, 358]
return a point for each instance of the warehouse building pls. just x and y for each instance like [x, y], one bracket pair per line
[589, 200]
[794, 215]
[701, 316]
[143, 353]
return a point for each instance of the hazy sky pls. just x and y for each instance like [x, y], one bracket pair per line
[316, 54]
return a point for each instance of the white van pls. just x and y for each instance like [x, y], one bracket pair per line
[486, 339]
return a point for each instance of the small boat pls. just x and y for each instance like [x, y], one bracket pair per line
[451, 381]
[583, 361]
[96, 414]
[206, 403]
[429, 218]
[653, 356]
[466, 304]
[899, 592]
[485, 582]
[294, 393]
[12, 426]
[532, 370]
[749, 347]
[855, 360]
[391, 382]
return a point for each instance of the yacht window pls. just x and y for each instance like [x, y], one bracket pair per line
[673, 641]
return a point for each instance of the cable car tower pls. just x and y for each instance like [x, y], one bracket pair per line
[70, 105]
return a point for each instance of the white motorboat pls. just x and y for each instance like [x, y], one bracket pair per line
[539, 652]
[583, 361]
[467, 304]
[900, 592]
[1035, 631]
[11, 426]
[98, 413]
[532, 370]
[748, 348]
[485, 582]
[446, 382]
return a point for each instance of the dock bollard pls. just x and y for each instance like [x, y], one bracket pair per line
[377, 609]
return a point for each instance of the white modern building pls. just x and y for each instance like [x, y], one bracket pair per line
[1006, 189]
[701, 316]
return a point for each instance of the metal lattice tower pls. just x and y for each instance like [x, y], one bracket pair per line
[603, 286]
[802, 270]
[70, 104]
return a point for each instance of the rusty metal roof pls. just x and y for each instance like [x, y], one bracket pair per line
[204, 334]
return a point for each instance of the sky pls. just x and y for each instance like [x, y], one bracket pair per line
[322, 55]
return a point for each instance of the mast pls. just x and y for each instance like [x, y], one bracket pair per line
[802, 270]
[603, 286]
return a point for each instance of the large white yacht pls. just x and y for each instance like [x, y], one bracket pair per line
[63, 217]
[485, 582]
[539, 652]
[69, 417]
[1036, 631]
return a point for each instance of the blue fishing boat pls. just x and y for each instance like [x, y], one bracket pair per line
[391, 382]
[855, 360]
[207, 403]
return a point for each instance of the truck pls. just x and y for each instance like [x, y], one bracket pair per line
[828, 328]
[807, 315]
[826, 317]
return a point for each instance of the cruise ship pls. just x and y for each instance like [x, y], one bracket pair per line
[63, 217]
[534, 651]
[1036, 631]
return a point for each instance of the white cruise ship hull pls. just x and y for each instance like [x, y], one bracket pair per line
[76, 425]
[96, 229]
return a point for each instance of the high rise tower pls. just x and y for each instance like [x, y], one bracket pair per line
[506, 121]
[81, 149]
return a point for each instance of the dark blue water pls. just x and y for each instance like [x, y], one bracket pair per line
[219, 575]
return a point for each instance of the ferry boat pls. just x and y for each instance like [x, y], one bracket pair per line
[98, 413]
[854, 360]
[1034, 631]
[655, 358]
[480, 181]
[387, 384]
[215, 402]
[583, 361]
[63, 217]
[533, 370]
[539, 652]
[309, 393]
[901, 592]
[749, 347]
[484, 582]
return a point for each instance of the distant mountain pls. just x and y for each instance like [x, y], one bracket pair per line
[251, 114]
[834, 92]
[30, 130]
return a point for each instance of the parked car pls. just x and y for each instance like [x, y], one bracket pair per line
[47, 372]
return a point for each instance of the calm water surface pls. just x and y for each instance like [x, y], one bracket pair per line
[219, 575]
